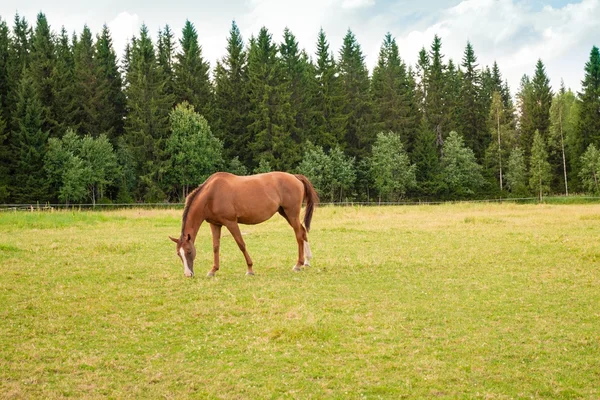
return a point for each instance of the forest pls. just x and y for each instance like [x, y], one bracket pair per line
[81, 124]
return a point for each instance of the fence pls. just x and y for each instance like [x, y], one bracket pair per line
[112, 206]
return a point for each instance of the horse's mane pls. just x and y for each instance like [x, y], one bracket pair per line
[188, 203]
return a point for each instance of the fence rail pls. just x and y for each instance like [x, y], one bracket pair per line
[103, 206]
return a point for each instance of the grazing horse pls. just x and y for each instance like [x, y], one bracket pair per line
[225, 199]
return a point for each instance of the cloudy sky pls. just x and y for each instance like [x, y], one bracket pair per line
[512, 32]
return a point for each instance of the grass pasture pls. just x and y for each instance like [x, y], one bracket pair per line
[448, 301]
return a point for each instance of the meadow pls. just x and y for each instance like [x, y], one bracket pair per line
[446, 301]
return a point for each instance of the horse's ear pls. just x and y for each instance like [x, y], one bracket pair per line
[173, 239]
[189, 238]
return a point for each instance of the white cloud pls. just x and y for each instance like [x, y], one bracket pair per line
[122, 28]
[350, 4]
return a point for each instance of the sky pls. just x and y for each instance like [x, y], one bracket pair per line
[514, 33]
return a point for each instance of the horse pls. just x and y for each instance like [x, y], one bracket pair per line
[227, 200]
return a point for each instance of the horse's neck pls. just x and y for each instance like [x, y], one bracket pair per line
[194, 219]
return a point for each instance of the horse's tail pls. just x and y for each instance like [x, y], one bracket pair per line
[311, 197]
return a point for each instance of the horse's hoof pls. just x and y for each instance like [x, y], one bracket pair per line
[210, 274]
[250, 273]
[307, 264]
[296, 268]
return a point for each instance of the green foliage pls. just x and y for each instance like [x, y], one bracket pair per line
[357, 107]
[194, 152]
[392, 173]
[461, 172]
[262, 167]
[561, 129]
[236, 167]
[192, 83]
[231, 99]
[332, 174]
[539, 168]
[270, 110]
[516, 173]
[426, 158]
[590, 169]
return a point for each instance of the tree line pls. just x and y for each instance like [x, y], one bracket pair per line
[78, 125]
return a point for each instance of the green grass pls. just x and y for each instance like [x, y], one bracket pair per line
[450, 301]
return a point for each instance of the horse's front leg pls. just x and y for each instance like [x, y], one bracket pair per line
[234, 228]
[216, 238]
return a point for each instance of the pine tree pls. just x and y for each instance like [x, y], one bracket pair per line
[28, 144]
[588, 124]
[147, 123]
[270, 113]
[231, 99]
[65, 107]
[536, 99]
[112, 101]
[473, 108]
[192, 83]
[88, 87]
[453, 100]
[5, 106]
[354, 75]
[299, 80]
[436, 109]
[328, 99]
[42, 66]
[18, 59]
[393, 94]
[539, 170]
[425, 155]
[165, 54]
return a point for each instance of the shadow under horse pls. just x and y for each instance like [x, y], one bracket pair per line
[227, 200]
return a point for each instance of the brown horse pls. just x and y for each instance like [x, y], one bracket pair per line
[225, 200]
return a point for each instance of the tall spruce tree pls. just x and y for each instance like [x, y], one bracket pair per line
[147, 123]
[359, 135]
[28, 144]
[435, 102]
[18, 58]
[588, 125]
[299, 79]
[42, 67]
[112, 101]
[192, 83]
[65, 107]
[270, 114]
[165, 52]
[328, 99]
[393, 95]
[473, 105]
[5, 106]
[536, 99]
[231, 99]
[425, 155]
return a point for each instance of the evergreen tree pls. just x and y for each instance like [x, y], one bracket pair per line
[192, 83]
[357, 105]
[536, 99]
[164, 54]
[112, 101]
[502, 138]
[5, 161]
[393, 94]
[516, 173]
[453, 98]
[435, 102]
[473, 108]
[425, 155]
[18, 59]
[328, 99]
[270, 113]
[42, 66]
[231, 99]
[147, 123]
[28, 145]
[88, 87]
[65, 106]
[539, 170]
[299, 79]
[588, 124]
[5, 106]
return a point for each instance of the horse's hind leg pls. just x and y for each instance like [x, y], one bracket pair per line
[302, 243]
[234, 228]
[216, 237]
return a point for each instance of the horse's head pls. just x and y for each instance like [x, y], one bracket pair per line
[187, 252]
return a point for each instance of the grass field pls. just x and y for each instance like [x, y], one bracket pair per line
[468, 301]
